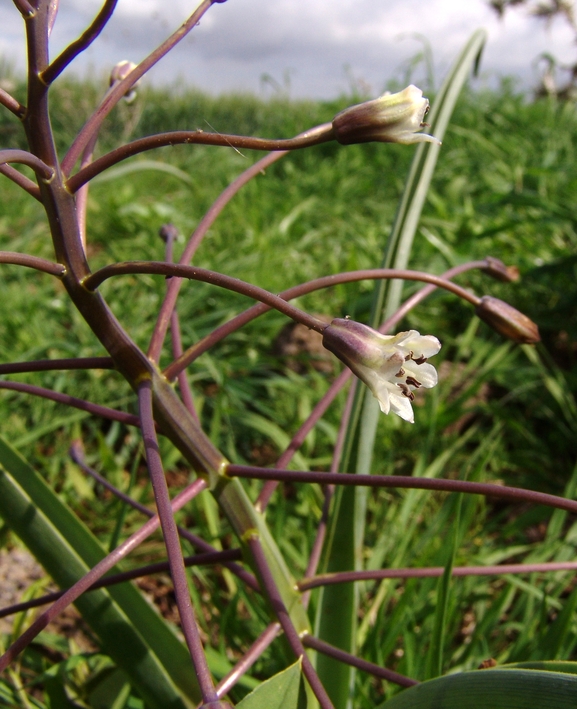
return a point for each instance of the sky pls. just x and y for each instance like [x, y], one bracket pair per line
[304, 48]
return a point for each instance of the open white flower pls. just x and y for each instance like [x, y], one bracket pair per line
[392, 366]
[391, 118]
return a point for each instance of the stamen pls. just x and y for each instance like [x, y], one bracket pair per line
[409, 356]
[413, 382]
[406, 391]
[400, 373]
[420, 360]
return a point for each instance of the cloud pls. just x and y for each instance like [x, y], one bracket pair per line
[320, 45]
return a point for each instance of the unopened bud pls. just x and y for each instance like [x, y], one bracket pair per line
[497, 270]
[507, 320]
[119, 72]
[392, 118]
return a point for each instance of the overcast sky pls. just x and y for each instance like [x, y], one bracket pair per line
[312, 48]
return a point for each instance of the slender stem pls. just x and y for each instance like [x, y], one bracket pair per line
[314, 136]
[49, 365]
[169, 232]
[35, 262]
[11, 104]
[80, 44]
[23, 157]
[172, 543]
[354, 661]
[210, 558]
[93, 124]
[93, 575]
[194, 242]
[21, 180]
[248, 659]
[317, 548]
[202, 274]
[308, 583]
[303, 289]
[279, 608]
[67, 400]
[77, 455]
[502, 492]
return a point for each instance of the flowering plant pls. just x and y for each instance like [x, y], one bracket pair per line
[257, 574]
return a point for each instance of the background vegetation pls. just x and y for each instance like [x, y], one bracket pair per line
[504, 186]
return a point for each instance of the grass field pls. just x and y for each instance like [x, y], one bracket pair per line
[504, 187]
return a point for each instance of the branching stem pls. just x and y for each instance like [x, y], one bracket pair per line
[80, 44]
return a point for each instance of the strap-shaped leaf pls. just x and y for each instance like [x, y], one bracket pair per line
[491, 689]
[152, 656]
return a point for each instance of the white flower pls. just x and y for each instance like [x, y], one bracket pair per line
[392, 366]
[392, 118]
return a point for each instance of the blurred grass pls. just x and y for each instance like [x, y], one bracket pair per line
[504, 186]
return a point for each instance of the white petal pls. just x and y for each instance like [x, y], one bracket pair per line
[401, 405]
[424, 373]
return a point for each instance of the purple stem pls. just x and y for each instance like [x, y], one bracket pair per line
[23, 157]
[364, 665]
[170, 233]
[434, 572]
[77, 455]
[270, 589]
[248, 659]
[21, 180]
[35, 262]
[251, 313]
[172, 543]
[194, 242]
[217, 557]
[502, 492]
[80, 44]
[92, 126]
[48, 365]
[68, 400]
[11, 104]
[93, 281]
[314, 136]
[94, 574]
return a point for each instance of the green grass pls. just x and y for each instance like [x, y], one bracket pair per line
[504, 186]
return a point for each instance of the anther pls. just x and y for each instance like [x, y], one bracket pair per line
[413, 382]
[400, 373]
[406, 391]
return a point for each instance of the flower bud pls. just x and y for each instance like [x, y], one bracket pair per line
[392, 118]
[119, 72]
[507, 320]
[392, 366]
[497, 270]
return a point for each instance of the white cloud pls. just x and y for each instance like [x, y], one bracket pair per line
[320, 43]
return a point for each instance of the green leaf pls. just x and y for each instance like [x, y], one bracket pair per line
[286, 690]
[131, 632]
[491, 689]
